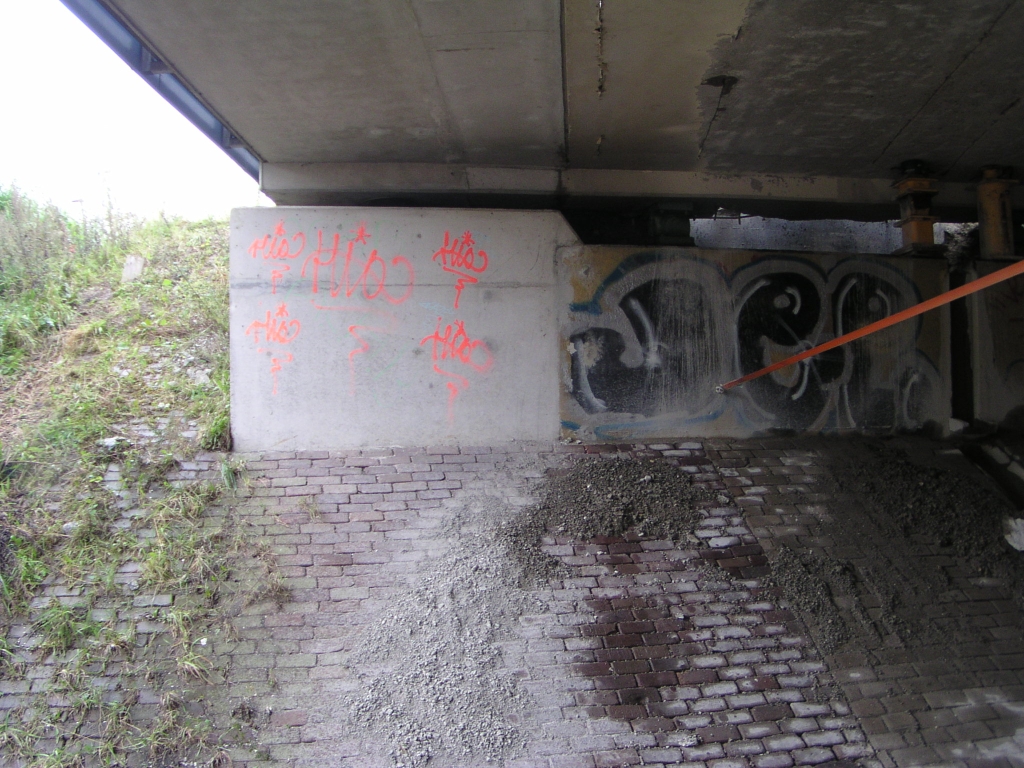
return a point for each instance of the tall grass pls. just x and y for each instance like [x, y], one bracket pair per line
[47, 258]
[144, 363]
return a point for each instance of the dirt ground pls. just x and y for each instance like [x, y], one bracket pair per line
[890, 498]
[600, 497]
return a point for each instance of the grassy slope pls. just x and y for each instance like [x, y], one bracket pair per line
[105, 389]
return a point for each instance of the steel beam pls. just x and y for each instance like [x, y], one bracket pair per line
[161, 77]
[465, 185]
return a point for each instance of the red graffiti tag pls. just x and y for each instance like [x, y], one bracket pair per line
[275, 329]
[388, 323]
[455, 344]
[277, 274]
[275, 366]
[364, 346]
[369, 275]
[460, 258]
[361, 235]
[280, 246]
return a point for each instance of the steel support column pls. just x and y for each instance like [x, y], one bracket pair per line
[995, 216]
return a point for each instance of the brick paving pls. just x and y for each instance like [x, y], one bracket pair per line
[945, 704]
[648, 653]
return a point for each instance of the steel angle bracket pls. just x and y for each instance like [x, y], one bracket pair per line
[160, 75]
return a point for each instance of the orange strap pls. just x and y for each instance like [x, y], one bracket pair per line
[1006, 273]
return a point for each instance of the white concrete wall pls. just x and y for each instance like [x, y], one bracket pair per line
[379, 354]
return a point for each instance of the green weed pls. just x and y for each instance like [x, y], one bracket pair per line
[217, 433]
[61, 626]
[46, 260]
[17, 738]
[9, 665]
[29, 569]
[150, 350]
[176, 731]
[183, 504]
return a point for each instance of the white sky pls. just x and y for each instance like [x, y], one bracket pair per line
[77, 122]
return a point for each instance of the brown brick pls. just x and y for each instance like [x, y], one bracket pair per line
[697, 676]
[653, 725]
[292, 717]
[612, 682]
[771, 712]
[656, 679]
[623, 641]
[718, 734]
[626, 711]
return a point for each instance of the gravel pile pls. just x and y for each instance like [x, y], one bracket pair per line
[890, 498]
[815, 585]
[432, 682]
[943, 506]
[606, 497]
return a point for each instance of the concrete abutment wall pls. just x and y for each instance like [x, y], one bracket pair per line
[354, 327]
[372, 326]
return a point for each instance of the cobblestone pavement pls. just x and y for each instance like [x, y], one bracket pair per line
[940, 704]
[645, 653]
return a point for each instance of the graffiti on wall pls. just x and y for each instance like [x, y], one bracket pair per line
[348, 276]
[272, 332]
[367, 273]
[1006, 317]
[452, 346]
[460, 257]
[652, 340]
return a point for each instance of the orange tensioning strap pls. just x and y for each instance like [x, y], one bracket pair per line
[957, 293]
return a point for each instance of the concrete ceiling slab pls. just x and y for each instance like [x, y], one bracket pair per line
[853, 89]
[743, 88]
[633, 74]
[380, 81]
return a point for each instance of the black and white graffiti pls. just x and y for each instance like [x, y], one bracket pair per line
[664, 328]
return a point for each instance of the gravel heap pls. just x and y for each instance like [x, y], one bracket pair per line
[432, 684]
[607, 497]
[935, 503]
[947, 508]
[815, 584]
[887, 504]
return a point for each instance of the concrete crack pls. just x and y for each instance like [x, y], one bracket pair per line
[946, 79]
[602, 65]
[1002, 113]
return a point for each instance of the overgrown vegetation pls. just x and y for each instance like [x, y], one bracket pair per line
[47, 259]
[116, 570]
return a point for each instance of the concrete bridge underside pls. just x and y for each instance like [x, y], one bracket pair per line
[785, 108]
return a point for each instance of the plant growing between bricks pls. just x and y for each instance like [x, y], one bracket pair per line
[120, 566]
